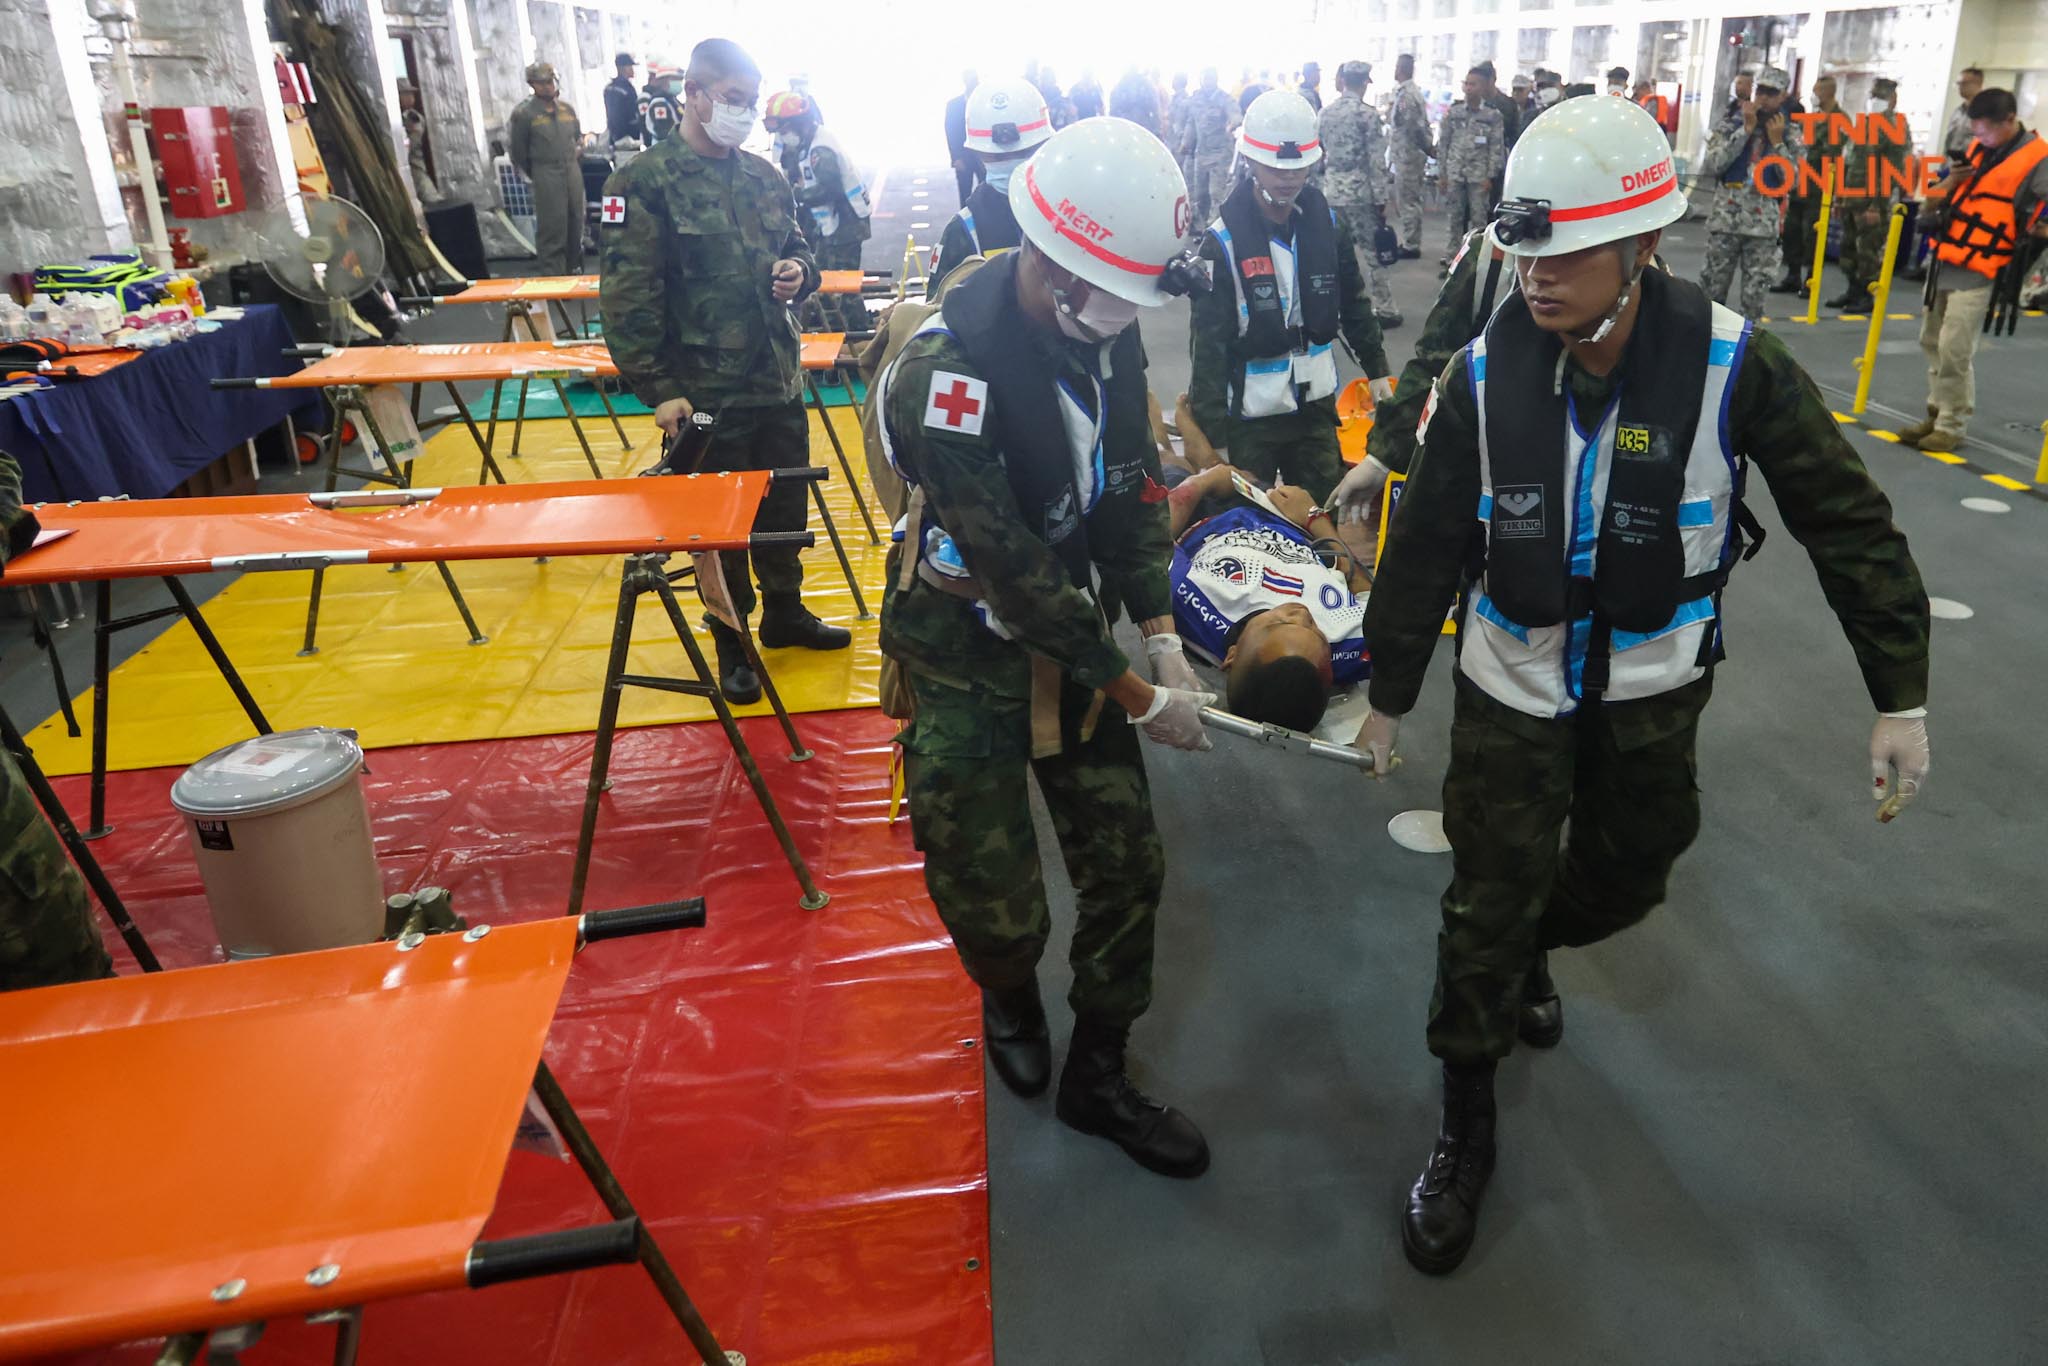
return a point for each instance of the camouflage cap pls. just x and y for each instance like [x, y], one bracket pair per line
[538, 72]
[1354, 73]
[1884, 87]
[1773, 78]
[1521, 81]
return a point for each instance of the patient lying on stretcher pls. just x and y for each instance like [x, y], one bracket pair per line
[1264, 590]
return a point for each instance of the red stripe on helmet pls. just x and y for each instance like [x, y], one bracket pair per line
[1274, 146]
[1022, 128]
[1613, 206]
[1095, 249]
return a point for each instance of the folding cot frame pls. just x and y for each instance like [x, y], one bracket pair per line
[646, 520]
[279, 1059]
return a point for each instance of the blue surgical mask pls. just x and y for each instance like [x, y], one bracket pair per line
[998, 174]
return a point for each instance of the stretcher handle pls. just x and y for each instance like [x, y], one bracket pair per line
[373, 498]
[802, 540]
[687, 914]
[310, 351]
[1265, 732]
[800, 474]
[437, 291]
[552, 1254]
[868, 335]
[237, 382]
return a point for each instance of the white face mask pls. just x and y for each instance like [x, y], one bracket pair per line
[1616, 90]
[729, 127]
[998, 174]
[1098, 321]
[1549, 95]
[1878, 106]
[791, 139]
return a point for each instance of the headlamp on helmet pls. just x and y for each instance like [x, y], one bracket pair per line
[1522, 220]
[1187, 273]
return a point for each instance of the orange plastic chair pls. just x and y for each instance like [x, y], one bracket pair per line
[324, 1130]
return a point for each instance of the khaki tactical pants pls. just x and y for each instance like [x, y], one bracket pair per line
[1949, 332]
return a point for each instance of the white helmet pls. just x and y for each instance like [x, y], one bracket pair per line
[1586, 172]
[1280, 130]
[1006, 116]
[1105, 200]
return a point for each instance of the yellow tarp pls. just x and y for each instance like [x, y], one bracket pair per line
[395, 663]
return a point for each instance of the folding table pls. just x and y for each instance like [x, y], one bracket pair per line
[323, 1130]
[643, 519]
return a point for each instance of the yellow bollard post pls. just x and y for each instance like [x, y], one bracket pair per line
[1881, 293]
[1820, 241]
[2041, 470]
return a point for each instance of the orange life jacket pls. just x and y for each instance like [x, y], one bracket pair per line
[1981, 231]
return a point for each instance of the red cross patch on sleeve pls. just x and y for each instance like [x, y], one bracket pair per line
[956, 403]
[613, 208]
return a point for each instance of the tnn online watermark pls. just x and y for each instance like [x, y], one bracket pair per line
[1779, 176]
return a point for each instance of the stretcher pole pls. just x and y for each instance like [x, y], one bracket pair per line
[88, 866]
[490, 466]
[818, 403]
[839, 548]
[585, 1150]
[1881, 297]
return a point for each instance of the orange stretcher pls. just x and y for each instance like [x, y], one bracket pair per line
[525, 289]
[340, 1124]
[647, 520]
[348, 373]
[822, 351]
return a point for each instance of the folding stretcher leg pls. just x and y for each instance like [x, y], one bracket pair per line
[102, 679]
[576, 425]
[613, 413]
[490, 466]
[649, 1254]
[831, 432]
[839, 549]
[519, 418]
[39, 630]
[644, 574]
[60, 819]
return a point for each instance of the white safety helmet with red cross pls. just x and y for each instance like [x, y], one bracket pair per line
[1281, 130]
[1104, 200]
[1586, 172]
[1006, 116]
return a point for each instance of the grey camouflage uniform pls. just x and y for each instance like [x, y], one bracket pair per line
[1743, 225]
[1472, 151]
[1211, 118]
[1356, 182]
[1176, 136]
[1412, 149]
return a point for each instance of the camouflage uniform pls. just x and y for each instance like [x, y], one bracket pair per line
[970, 744]
[1743, 225]
[1177, 136]
[1453, 321]
[1802, 206]
[545, 141]
[1212, 116]
[1623, 773]
[1867, 194]
[1412, 150]
[1356, 183]
[689, 313]
[841, 251]
[1472, 152]
[1300, 446]
[47, 934]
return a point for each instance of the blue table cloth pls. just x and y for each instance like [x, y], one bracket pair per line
[145, 427]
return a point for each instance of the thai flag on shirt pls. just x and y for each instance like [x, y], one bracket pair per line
[1281, 583]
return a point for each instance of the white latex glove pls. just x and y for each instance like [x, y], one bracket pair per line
[1170, 667]
[1376, 738]
[1175, 718]
[1381, 389]
[1359, 486]
[1898, 742]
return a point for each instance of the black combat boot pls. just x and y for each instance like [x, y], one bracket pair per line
[1443, 1206]
[736, 678]
[1789, 283]
[785, 621]
[1019, 1045]
[1540, 1021]
[1411, 253]
[1097, 1098]
[1854, 299]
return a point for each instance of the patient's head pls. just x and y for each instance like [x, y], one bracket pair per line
[1277, 668]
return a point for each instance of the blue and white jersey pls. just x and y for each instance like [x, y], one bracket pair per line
[1247, 560]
